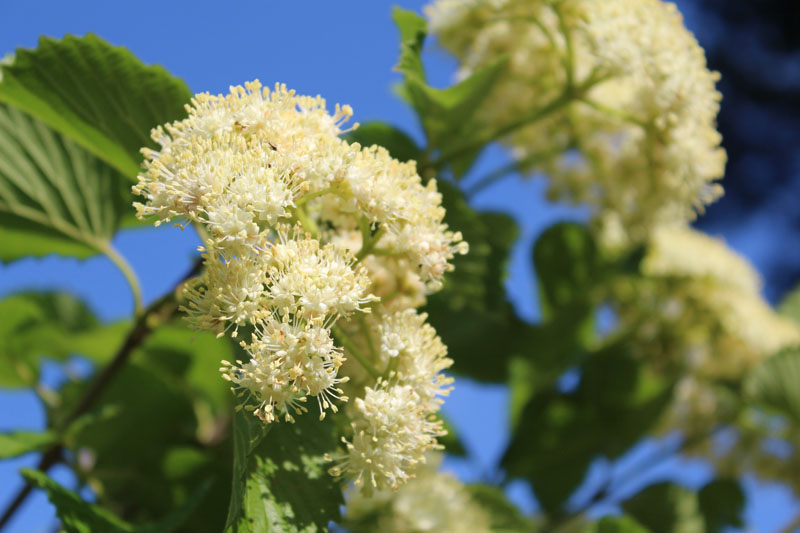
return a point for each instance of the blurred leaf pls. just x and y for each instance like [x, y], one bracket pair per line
[451, 442]
[722, 503]
[51, 324]
[55, 197]
[22, 442]
[559, 434]
[616, 524]
[169, 395]
[76, 515]
[666, 508]
[400, 145]
[471, 313]
[790, 305]
[413, 29]
[98, 95]
[567, 265]
[79, 516]
[447, 115]
[774, 383]
[503, 514]
[286, 484]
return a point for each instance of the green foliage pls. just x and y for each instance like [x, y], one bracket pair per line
[22, 442]
[50, 324]
[722, 503]
[447, 115]
[774, 384]
[280, 478]
[78, 516]
[616, 524]
[790, 305]
[55, 197]
[98, 95]
[503, 514]
[560, 433]
[399, 144]
[669, 508]
[471, 313]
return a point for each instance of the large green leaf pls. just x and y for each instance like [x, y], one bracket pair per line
[55, 197]
[98, 95]
[774, 383]
[21, 442]
[286, 486]
[471, 312]
[559, 433]
[76, 515]
[49, 324]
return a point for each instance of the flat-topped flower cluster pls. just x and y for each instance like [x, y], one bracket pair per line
[302, 234]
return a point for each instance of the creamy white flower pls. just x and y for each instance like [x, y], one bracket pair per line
[433, 501]
[391, 437]
[630, 121]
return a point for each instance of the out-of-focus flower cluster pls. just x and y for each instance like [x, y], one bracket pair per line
[697, 312]
[433, 501]
[611, 99]
[304, 234]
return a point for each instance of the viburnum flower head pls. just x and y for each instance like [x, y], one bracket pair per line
[612, 99]
[300, 230]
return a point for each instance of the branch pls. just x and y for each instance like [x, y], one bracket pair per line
[157, 313]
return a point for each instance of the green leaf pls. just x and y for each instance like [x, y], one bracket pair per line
[666, 508]
[286, 484]
[451, 442]
[503, 514]
[400, 145]
[616, 524]
[55, 197]
[790, 305]
[567, 264]
[413, 29]
[129, 451]
[248, 432]
[722, 503]
[774, 383]
[447, 114]
[471, 313]
[51, 324]
[98, 95]
[559, 433]
[76, 515]
[22, 442]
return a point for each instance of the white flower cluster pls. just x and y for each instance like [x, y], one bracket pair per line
[698, 309]
[611, 98]
[301, 232]
[395, 423]
[433, 501]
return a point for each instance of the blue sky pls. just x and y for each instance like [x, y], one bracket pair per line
[344, 51]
